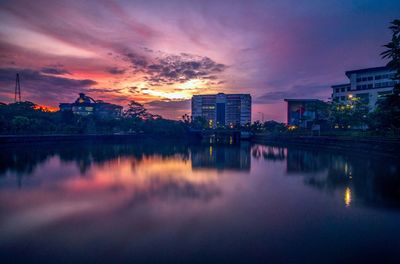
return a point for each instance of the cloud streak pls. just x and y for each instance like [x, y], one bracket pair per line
[154, 50]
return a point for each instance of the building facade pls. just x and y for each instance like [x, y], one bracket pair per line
[304, 113]
[86, 106]
[369, 85]
[223, 110]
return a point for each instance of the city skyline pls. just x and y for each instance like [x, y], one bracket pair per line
[161, 53]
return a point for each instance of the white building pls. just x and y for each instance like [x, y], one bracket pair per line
[223, 109]
[370, 85]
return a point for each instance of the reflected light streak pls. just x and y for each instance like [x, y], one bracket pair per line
[347, 197]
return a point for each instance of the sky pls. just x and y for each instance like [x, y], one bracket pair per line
[162, 52]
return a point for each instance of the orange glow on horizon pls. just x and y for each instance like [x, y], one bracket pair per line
[45, 108]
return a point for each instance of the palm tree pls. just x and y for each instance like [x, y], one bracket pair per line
[393, 48]
[387, 113]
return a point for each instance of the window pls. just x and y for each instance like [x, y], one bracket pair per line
[370, 78]
[348, 88]
[337, 90]
[364, 86]
[343, 89]
[364, 79]
[358, 79]
[342, 98]
[378, 77]
[358, 87]
[377, 85]
[370, 86]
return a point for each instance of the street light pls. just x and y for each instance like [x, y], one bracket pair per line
[262, 116]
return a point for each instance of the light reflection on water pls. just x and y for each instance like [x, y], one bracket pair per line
[153, 201]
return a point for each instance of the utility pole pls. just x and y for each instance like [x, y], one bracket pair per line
[17, 90]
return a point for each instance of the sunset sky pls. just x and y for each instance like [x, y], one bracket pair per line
[162, 52]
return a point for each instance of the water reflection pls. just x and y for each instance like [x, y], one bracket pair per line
[135, 198]
[221, 157]
[368, 180]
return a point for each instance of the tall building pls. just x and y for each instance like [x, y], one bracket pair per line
[85, 106]
[370, 85]
[229, 110]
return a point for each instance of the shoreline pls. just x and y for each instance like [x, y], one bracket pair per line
[363, 145]
[19, 139]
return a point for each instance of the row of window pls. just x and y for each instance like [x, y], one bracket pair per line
[343, 89]
[377, 85]
[367, 86]
[363, 97]
[376, 77]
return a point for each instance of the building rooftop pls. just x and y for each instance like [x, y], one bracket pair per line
[219, 94]
[340, 85]
[84, 100]
[375, 69]
[302, 100]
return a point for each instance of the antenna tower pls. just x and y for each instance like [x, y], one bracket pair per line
[17, 90]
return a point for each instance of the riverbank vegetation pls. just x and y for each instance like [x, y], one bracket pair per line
[28, 118]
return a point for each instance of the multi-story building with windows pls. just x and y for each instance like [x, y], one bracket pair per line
[223, 110]
[85, 106]
[370, 85]
[306, 112]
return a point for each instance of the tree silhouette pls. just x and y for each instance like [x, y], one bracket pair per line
[387, 113]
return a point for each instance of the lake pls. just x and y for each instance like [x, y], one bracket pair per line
[173, 202]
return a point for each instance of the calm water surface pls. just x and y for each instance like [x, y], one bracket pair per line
[157, 202]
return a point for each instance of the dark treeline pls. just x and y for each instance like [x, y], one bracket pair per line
[28, 118]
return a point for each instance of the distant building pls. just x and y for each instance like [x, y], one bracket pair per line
[86, 106]
[370, 85]
[221, 158]
[305, 112]
[221, 109]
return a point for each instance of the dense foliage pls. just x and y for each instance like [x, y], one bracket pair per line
[387, 113]
[27, 118]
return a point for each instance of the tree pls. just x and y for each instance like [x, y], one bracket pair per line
[387, 112]
[136, 110]
[257, 126]
[199, 122]
[352, 114]
[274, 127]
[393, 49]
[186, 119]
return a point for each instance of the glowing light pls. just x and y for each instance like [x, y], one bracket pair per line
[44, 108]
[169, 95]
[347, 197]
